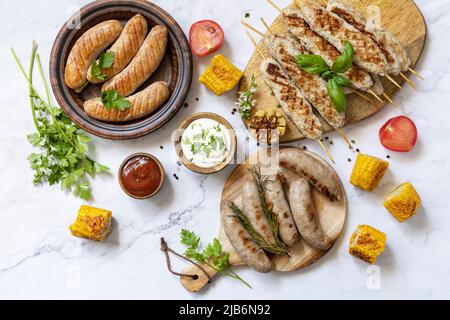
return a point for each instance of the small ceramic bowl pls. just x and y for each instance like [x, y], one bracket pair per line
[179, 150]
[158, 163]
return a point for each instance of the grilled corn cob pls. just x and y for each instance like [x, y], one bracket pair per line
[92, 223]
[367, 243]
[403, 202]
[368, 172]
[221, 76]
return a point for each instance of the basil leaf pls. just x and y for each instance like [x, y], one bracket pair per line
[311, 63]
[327, 75]
[345, 60]
[337, 95]
[342, 80]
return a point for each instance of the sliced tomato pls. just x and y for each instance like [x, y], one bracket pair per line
[399, 134]
[205, 37]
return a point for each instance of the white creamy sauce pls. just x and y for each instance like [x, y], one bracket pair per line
[206, 143]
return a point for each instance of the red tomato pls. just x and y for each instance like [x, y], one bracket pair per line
[206, 37]
[399, 134]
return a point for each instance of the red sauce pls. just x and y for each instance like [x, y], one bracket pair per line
[141, 176]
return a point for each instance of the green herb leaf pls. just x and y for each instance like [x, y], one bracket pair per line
[112, 100]
[212, 254]
[189, 239]
[311, 63]
[62, 157]
[345, 60]
[337, 95]
[105, 61]
[342, 80]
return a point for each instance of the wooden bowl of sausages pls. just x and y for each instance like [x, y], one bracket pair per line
[151, 70]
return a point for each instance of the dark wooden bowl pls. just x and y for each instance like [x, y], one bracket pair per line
[175, 69]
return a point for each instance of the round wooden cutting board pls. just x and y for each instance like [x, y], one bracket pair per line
[401, 17]
[331, 216]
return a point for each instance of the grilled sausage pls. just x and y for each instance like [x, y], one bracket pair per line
[336, 31]
[276, 199]
[294, 104]
[298, 27]
[304, 212]
[313, 87]
[253, 210]
[382, 38]
[86, 49]
[143, 103]
[315, 172]
[143, 64]
[248, 251]
[125, 48]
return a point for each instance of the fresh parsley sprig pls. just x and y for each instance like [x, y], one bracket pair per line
[315, 64]
[63, 147]
[112, 100]
[212, 254]
[104, 62]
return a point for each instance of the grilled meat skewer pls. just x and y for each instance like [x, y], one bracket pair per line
[395, 54]
[337, 31]
[291, 99]
[319, 46]
[313, 87]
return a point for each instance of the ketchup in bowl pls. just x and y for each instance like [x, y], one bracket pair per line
[141, 176]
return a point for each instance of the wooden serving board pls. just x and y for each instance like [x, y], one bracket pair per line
[402, 17]
[331, 216]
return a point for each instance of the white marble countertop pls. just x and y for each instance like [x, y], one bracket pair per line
[39, 258]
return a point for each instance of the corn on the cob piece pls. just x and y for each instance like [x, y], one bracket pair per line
[367, 243]
[368, 172]
[221, 76]
[403, 202]
[92, 223]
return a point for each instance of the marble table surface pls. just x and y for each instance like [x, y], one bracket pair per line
[39, 258]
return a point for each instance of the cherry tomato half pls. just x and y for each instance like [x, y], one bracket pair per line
[399, 134]
[206, 37]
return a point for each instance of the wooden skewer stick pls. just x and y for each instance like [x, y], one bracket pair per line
[361, 95]
[263, 56]
[345, 137]
[393, 81]
[255, 45]
[326, 150]
[375, 95]
[245, 24]
[407, 80]
[389, 99]
[414, 72]
[275, 6]
[266, 25]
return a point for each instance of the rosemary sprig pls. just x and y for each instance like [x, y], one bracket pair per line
[255, 236]
[268, 213]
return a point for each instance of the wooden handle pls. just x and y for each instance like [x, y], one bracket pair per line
[201, 279]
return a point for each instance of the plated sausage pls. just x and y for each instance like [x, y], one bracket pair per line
[125, 48]
[315, 172]
[143, 103]
[86, 49]
[304, 211]
[253, 210]
[143, 64]
[248, 251]
[276, 199]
